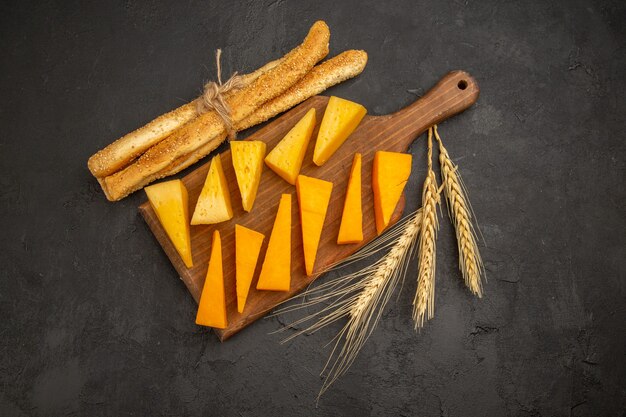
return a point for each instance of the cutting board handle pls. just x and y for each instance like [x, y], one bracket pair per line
[454, 93]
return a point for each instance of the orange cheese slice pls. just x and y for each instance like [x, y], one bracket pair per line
[286, 157]
[247, 247]
[212, 306]
[213, 205]
[276, 270]
[170, 203]
[340, 119]
[313, 198]
[389, 176]
[248, 164]
[351, 228]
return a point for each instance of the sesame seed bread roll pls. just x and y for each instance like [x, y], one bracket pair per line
[209, 128]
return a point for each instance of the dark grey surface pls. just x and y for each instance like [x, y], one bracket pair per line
[95, 321]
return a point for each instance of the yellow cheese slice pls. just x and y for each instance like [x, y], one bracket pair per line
[313, 197]
[247, 247]
[351, 228]
[170, 203]
[286, 157]
[389, 176]
[212, 305]
[340, 119]
[248, 164]
[213, 205]
[276, 270]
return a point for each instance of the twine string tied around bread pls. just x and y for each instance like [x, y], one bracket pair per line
[213, 96]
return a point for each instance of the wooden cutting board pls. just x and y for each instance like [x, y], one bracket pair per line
[454, 93]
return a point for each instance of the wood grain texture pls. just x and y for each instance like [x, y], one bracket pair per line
[454, 93]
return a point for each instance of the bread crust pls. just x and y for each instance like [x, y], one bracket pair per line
[208, 127]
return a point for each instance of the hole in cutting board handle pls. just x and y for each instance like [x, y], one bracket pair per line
[462, 85]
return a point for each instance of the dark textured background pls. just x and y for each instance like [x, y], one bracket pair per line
[95, 321]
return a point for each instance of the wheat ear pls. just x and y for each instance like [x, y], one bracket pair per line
[424, 302]
[360, 296]
[460, 212]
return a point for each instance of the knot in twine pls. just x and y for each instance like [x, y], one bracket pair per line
[213, 96]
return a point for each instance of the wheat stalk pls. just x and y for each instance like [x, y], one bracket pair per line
[424, 302]
[360, 296]
[459, 210]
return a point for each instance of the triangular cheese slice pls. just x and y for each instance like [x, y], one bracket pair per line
[287, 156]
[247, 247]
[170, 203]
[340, 119]
[212, 305]
[313, 198]
[351, 229]
[276, 271]
[389, 176]
[248, 164]
[213, 205]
